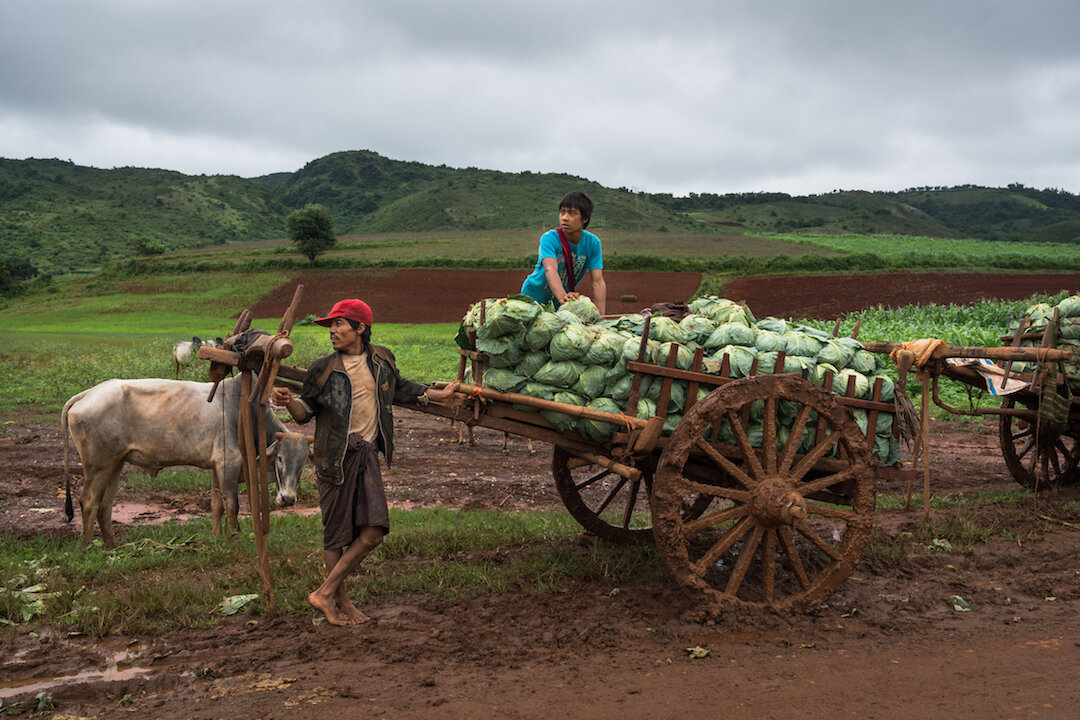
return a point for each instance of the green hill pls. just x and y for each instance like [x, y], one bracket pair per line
[58, 217]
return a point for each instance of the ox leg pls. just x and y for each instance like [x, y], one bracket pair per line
[99, 491]
[217, 504]
[104, 511]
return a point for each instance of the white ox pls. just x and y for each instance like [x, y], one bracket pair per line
[155, 423]
[186, 351]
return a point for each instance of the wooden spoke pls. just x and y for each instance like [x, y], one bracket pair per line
[746, 557]
[1039, 453]
[731, 537]
[610, 506]
[830, 511]
[788, 541]
[594, 479]
[824, 483]
[743, 441]
[768, 566]
[768, 435]
[779, 548]
[819, 541]
[693, 527]
[791, 447]
[724, 464]
[817, 453]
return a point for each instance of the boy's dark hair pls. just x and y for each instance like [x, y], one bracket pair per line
[364, 336]
[581, 202]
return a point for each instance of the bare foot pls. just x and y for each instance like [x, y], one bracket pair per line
[327, 608]
[351, 612]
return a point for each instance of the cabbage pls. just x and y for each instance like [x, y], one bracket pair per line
[631, 323]
[840, 383]
[620, 389]
[605, 349]
[1040, 312]
[632, 346]
[767, 364]
[508, 358]
[886, 449]
[1069, 307]
[677, 398]
[683, 357]
[801, 344]
[664, 330]
[697, 328]
[814, 332]
[536, 390]
[542, 328]
[884, 424]
[836, 354]
[768, 341]
[502, 380]
[531, 363]
[583, 308]
[499, 345]
[863, 361]
[560, 420]
[646, 408]
[616, 371]
[888, 387]
[671, 422]
[820, 370]
[509, 315]
[721, 310]
[596, 429]
[730, 334]
[571, 342]
[740, 359]
[591, 382]
[559, 373]
[772, 324]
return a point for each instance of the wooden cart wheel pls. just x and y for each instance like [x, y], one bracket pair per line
[786, 526]
[1039, 456]
[607, 504]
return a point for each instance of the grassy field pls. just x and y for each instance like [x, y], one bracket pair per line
[973, 252]
[517, 244]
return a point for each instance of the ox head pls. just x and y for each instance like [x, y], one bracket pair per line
[288, 452]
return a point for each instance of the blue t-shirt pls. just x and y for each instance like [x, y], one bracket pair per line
[586, 255]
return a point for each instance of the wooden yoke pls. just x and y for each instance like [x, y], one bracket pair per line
[263, 355]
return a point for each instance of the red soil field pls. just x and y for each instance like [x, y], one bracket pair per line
[429, 296]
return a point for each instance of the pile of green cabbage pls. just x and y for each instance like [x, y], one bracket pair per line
[573, 356]
[1068, 333]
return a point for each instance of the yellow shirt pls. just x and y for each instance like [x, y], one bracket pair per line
[365, 416]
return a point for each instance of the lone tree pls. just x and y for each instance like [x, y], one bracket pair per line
[311, 229]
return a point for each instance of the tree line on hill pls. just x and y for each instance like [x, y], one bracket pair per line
[58, 217]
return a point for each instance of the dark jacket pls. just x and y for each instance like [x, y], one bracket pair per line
[327, 392]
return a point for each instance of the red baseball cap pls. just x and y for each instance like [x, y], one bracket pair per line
[356, 310]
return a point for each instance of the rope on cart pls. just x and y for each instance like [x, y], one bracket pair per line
[917, 355]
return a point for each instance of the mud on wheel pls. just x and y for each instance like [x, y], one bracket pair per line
[608, 505]
[1039, 454]
[793, 496]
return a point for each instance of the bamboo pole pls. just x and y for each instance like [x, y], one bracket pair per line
[1030, 354]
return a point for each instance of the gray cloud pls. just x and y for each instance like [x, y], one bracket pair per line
[677, 96]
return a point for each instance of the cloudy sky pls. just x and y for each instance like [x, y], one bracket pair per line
[679, 96]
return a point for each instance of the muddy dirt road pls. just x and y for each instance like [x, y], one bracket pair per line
[889, 644]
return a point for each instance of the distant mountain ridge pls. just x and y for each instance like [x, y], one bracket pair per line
[62, 217]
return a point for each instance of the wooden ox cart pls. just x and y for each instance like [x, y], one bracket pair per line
[741, 512]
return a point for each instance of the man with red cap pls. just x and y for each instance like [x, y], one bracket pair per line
[350, 393]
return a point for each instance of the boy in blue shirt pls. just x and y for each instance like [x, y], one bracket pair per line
[551, 280]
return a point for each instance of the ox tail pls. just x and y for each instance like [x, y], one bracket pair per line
[69, 508]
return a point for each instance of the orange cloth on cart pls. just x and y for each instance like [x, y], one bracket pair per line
[921, 351]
